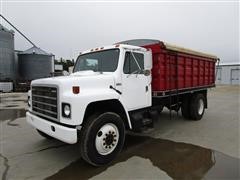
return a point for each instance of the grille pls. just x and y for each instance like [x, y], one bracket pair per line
[45, 102]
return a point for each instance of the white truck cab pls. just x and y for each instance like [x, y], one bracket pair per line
[92, 105]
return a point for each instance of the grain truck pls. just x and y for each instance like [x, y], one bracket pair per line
[118, 88]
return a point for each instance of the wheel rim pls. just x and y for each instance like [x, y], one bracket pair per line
[107, 139]
[200, 106]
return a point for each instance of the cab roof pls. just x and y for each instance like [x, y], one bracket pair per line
[124, 46]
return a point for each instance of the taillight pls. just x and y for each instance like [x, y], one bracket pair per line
[76, 89]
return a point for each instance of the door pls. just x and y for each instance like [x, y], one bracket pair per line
[136, 86]
[235, 75]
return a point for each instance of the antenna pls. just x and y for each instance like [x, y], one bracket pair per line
[18, 30]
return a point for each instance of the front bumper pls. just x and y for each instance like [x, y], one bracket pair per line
[65, 134]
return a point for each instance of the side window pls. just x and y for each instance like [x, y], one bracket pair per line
[130, 64]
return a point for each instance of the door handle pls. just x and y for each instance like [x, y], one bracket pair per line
[146, 88]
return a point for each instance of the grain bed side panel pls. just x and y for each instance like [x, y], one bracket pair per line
[179, 71]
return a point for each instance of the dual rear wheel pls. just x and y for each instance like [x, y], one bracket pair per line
[193, 107]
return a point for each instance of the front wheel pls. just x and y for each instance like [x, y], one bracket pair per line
[102, 138]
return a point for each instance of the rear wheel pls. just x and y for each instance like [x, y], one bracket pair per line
[197, 106]
[44, 135]
[185, 108]
[160, 109]
[102, 138]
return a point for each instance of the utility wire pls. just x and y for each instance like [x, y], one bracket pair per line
[18, 30]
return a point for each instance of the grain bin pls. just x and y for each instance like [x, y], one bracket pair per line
[6, 54]
[35, 63]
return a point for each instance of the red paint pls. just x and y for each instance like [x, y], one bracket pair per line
[180, 70]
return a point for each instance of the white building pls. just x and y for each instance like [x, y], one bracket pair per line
[228, 74]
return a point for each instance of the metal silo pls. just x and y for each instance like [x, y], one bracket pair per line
[6, 54]
[35, 63]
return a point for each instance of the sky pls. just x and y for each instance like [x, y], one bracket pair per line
[68, 28]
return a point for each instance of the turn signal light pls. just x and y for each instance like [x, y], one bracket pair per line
[75, 89]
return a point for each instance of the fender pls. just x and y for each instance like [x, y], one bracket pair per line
[108, 103]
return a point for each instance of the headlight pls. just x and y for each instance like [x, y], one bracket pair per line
[66, 110]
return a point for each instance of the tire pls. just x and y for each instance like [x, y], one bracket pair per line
[102, 138]
[185, 108]
[197, 107]
[44, 135]
[160, 109]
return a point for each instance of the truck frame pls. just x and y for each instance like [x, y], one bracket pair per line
[119, 88]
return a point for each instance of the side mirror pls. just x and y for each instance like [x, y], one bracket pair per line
[148, 60]
[146, 72]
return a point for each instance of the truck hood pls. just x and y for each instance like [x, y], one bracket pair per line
[86, 80]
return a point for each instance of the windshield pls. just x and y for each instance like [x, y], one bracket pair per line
[101, 61]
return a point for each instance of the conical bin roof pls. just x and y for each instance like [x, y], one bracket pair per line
[36, 50]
